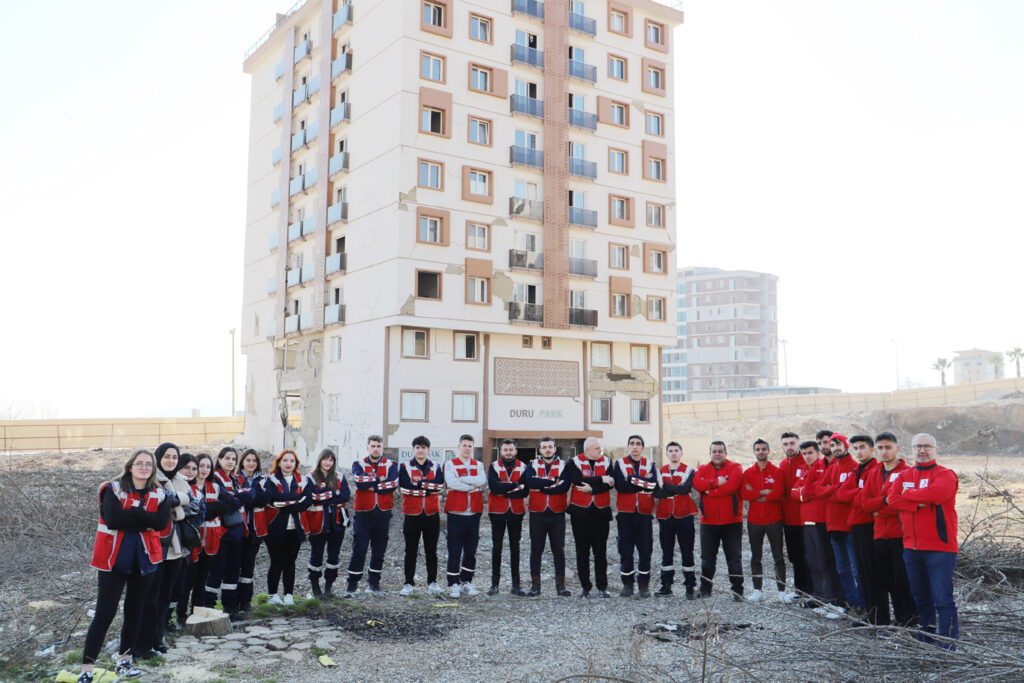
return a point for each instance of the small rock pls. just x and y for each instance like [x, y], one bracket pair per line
[202, 647]
[255, 642]
[325, 644]
[279, 622]
[255, 650]
[232, 645]
[305, 645]
[292, 656]
[276, 645]
[236, 636]
[257, 630]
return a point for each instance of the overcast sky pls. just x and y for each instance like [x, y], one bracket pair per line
[869, 153]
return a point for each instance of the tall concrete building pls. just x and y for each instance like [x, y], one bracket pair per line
[727, 327]
[975, 365]
[460, 218]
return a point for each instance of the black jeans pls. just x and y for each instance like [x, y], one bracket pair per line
[463, 537]
[635, 532]
[284, 550]
[514, 524]
[893, 583]
[195, 585]
[822, 562]
[413, 527]
[154, 610]
[798, 558]
[250, 549]
[370, 530]
[222, 578]
[331, 541]
[111, 585]
[590, 532]
[730, 537]
[669, 531]
[542, 527]
[756, 534]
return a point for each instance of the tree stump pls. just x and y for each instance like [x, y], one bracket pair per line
[206, 621]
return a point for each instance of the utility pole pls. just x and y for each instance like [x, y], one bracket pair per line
[232, 372]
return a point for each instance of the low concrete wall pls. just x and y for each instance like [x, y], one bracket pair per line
[81, 434]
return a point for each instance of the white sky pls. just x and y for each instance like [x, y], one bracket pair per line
[869, 153]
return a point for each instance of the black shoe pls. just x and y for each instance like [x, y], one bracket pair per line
[705, 594]
[314, 588]
[245, 608]
[493, 590]
[329, 589]
[126, 669]
[585, 593]
[736, 597]
[516, 590]
[664, 591]
[627, 590]
[534, 591]
[85, 677]
[691, 593]
[161, 648]
[236, 616]
[147, 654]
[604, 593]
[563, 592]
[643, 590]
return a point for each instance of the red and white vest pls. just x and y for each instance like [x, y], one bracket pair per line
[464, 501]
[212, 529]
[676, 506]
[498, 504]
[313, 517]
[540, 501]
[367, 499]
[231, 485]
[417, 501]
[641, 501]
[262, 517]
[108, 541]
[596, 468]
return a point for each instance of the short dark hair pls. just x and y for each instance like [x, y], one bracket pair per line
[421, 441]
[546, 438]
[790, 435]
[636, 436]
[508, 442]
[375, 437]
[823, 433]
[762, 441]
[718, 443]
[467, 437]
[862, 438]
[886, 436]
[670, 444]
[809, 444]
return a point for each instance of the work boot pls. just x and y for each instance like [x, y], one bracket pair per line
[560, 587]
[691, 593]
[666, 588]
[627, 587]
[314, 583]
[516, 590]
[534, 587]
[643, 584]
[328, 586]
[493, 590]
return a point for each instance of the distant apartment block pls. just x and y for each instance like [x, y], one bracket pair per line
[975, 365]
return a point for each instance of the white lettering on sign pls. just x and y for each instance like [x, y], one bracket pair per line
[522, 412]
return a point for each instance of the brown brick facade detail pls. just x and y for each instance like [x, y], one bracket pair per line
[556, 165]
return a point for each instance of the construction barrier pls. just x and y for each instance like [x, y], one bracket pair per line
[83, 434]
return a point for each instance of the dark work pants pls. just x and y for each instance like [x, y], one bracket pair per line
[798, 558]
[542, 527]
[429, 527]
[463, 537]
[154, 609]
[590, 532]
[756, 534]
[225, 567]
[370, 530]
[669, 531]
[514, 524]
[331, 541]
[730, 537]
[635, 532]
[931, 582]
[283, 550]
[863, 537]
[195, 586]
[178, 590]
[822, 563]
[893, 583]
[111, 585]
[250, 549]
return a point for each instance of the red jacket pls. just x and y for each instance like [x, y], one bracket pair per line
[926, 499]
[754, 481]
[870, 499]
[719, 504]
[791, 505]
[812, 508]
[849, 489]
[837, 514]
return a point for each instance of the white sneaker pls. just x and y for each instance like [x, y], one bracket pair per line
[820, 611]
[289, 600]
[434, 589]
[836, 610]
[468, 589]
[786, 598]
[832, 614]
[406, 589]
[755, 596]
[455, 591]
[275, 599]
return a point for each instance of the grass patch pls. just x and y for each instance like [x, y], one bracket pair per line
[317, 651]
[264, 610]
[71, 657]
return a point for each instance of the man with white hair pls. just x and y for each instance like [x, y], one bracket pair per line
[590, 474]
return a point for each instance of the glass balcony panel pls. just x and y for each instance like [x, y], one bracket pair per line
[527, 260]
[338, 163]
[583, 266]
[583, 24]
[583, 316]
[278, 112]
[339, 114]
[530, 56]
[341, 65]
[582, 71]
[291, 324]
[293, 277]
[308, 227]
[533, 313]
[582, 119]
[526, 156]
[307, 272]
[526, 208]
[296, 186]
[533, 8]
[274, 241]
[337, 212]
[305, 321]
[300, 95]
[585, 217]
[270, 328]
[313, 86]
[310, 179]
[304, 49]
[272, 285]
[279, 70]
[520, 104]
[336, 263]
[342, 16]
[275, 198]
[275, 156]
[295, 231]
[334, 313]
[582, 167]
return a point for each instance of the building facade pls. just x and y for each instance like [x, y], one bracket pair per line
[460, 219]
[976, 365]
[727, 327]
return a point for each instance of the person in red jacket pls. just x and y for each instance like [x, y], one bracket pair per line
[821, 561]
[763, 487]
[793, 525]
[925, 495]
[837, 520]
[721, 520]
[862, 527]
[890, 571]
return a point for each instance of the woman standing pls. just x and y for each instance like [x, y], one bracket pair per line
[250, 476]
[179, 593]
[326, 520]
[127, 551]
[225, 565]
[289, 494]
[195, 584]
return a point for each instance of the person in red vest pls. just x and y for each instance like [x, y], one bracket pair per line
[283, 523]
[249, 473]
[547, 504]
[635, 481]
[133, 512]
[862, 527]
[376, 479]
[326, 519]
[466, 480]
[721, 521]
[590, 509]
[763, 485]
[793, 525]
[837, 520]
[925, 495]
[506, 507]
[420, 482]
[890, 571]
[675, 512]
[821, 559]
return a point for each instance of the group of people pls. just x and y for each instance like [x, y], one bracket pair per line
[178, 529]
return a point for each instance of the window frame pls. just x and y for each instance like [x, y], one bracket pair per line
[637, 401]
[455, 346]
[488, 72]
[625, 160]
[595, 418]
[471, 291]
[611, 359]
[426, 342]
[490, 28]
[647, 357]
[441, 114]
[625, 252]
[476, 405]
[470, 119]
[444, 67]
[661, 125]
[661, 209]
[426, 405]
[487, 235]
[611, 305]
[440, 284]
[625, 67]
[656, 299]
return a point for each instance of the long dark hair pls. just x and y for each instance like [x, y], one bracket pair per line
[245, 454]
[224, 451]
[126, 482]
[199, 459]
[331, 478]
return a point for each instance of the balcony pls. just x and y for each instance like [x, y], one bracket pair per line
[278, 112]
[526, 208]
[583, 267]
[532, 8]
[307, 272]
[584, 217]
[270, 328]
[582, 168]
[279, 70]
[583, 24]
[341, 65]
[585, 317]
[291, 324]
[338, 163]
[530, 56]
[303, 50]
[336, 263]
[520, 104]
[292, 277]
[526, 313]
[272, 286]
[303, 228]
[301, 183]
[582, 71]
[339, 114]
[582, 119]
[313, 86]
[275, 198]
[300, 95]
[299, 140]
[525, 260]
[342, 16]
[526, 156]
[334, 314]
[305, 321]
[274, 241]
[337, 213]
[275, 156]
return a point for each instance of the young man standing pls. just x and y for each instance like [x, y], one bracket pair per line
[861, 522]
[675, 514]
[721, 521]
[841, 467]
[763, 486]
[590, 510]
[547, 503]
[376, 479]
[420, 482]
[635, 481]
[821, 560]
[466, 480]
[793, 526]
[506, 507]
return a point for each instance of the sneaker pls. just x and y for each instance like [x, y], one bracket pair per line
[604, 593]
[434, 589]
[126, 669]
[455, 591]
[820, 611]
[406, 589]
[584, 592]
[375, 591]
[85, 677]
[493, 590]
[349, 593]
[737, 597]
[468, 589]
[289, 600]
[275, 599]
[832, 614]
[786, 598]
[756, 596]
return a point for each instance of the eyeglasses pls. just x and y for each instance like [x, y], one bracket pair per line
[143, 464]
[923, 446]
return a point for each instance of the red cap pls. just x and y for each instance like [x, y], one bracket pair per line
[839, 437]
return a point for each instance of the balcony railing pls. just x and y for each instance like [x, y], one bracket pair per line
[526, 208]
[275, 197]
[307, 272]
[305, 321]
[299, 139]
[337, 213]
[274, 241]
[292, 277]
[341, 65]
[334, 314]
[278, 112]
[533, 8]
[272, 285]
[297, 185]
[336, 263]
[584, 217]
[270, 328]
[527, 260]
[582, 119]
[582, 167]
[275, 156]
[339, 114]
[526, 156]
[291, 324]
[313, 86]
[530, 56]
[527, 313]
[300, 95]
[582, 71]
[583, 266]
[520, 104]
[303, 228]
[342, 16]
[583, 24]
[586, 317]
[338, 163]
[279, 70]
[303, 50]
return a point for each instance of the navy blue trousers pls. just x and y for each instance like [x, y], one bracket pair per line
[463, 538]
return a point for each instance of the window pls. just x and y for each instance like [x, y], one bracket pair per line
[656, 215]
[414, 406]
[335, 348]
[639, 357]
[479, 131]
[431, 175]
[478, 290]
[655, 124]
[616, 161]
[479, 28]
[478, 182]
[428, 284]
[466, 344]
[617, 22]
[657, 262]
[433, 15]
[431, 67]
[334, 407]
[601, 355]
[577, 298]
[639, 410]
[655, 308]
[601, 410]
[655, 169]
[545, 343]
[463, 406]
[527, 341]
[432, 121]
[476, 237]
[620, 306]
[655, 33]
[480, 79]
[414, 343]
[616, 67]
[430, 230]
[620, 208]
[619, 114]
[655, 78]
[618, 257]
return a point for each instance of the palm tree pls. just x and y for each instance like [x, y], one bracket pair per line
[1016, 354]
[996, 359]
[941, 365]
